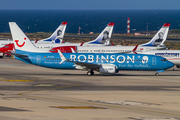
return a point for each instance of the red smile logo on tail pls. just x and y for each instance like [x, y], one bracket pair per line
[18, 43]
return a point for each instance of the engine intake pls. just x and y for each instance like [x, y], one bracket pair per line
[178, 66]
[108, 69]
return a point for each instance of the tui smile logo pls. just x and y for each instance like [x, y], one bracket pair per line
[19, 44]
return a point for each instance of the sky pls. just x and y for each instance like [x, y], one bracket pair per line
[89, 4]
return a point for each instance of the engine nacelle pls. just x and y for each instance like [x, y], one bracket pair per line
[178, 66]
[108, 69]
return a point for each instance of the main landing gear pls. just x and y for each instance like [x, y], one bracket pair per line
[89, 73]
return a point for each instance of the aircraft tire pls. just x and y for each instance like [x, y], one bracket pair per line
[157, 74]
[89, 73]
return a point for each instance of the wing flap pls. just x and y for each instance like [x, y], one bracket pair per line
[86, 65]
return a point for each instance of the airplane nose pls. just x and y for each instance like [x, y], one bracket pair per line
[170, 64]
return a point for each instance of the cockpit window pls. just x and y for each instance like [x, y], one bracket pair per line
[163, 60]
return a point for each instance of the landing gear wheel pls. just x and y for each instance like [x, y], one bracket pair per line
[89, 73]
[157, 74]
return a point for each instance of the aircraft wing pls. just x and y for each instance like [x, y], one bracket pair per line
[87, 65]
[80, 65]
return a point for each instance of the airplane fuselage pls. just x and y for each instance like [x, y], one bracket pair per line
[171, 55]
[121, 61]
[48, 46]
[113, 49]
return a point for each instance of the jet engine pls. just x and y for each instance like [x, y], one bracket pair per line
[178, 66]
[108, 69]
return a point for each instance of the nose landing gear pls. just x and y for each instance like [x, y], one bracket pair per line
[157, 72]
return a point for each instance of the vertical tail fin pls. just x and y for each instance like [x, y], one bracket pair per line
[58, 34]
[104, 37]
[160, 36]
[21, 41]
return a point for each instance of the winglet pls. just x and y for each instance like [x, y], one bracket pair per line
[63, 58]
[36, 41]
[134, 50]
[73, 50]
[82, 44]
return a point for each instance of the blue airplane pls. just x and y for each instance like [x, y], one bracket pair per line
[103, 63]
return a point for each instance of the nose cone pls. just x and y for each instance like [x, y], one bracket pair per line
[169, 64]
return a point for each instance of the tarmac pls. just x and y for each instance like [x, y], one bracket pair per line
[29, 92]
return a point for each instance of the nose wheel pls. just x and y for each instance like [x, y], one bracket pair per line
[158, 71]
[89, 73]
[157, 74]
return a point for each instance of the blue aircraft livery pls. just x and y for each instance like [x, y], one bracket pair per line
[104, 63]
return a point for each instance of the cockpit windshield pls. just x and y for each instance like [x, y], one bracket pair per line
[164, 59]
